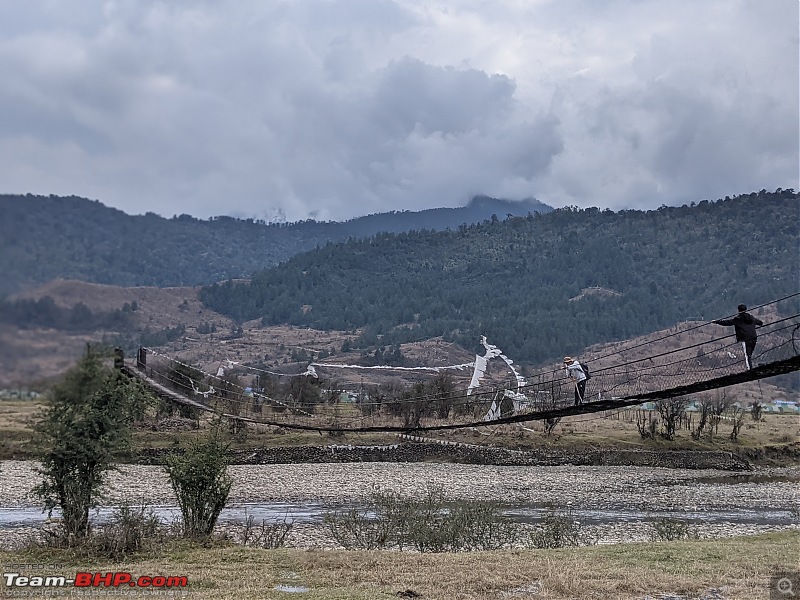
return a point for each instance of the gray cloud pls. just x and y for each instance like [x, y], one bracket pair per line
[333, 109]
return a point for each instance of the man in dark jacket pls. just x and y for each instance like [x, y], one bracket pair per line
[744, 325]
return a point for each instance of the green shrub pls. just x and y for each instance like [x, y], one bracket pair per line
[84, 428]
[200, 479]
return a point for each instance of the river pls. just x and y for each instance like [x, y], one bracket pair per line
[618, 503]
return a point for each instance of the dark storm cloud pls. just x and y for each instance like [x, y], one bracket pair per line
[332, 109]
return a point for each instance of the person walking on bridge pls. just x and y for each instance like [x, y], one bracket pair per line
[744, 325]
[576, 373]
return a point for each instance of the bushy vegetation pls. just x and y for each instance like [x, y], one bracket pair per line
[668, 529]
[85, 426]
[199, 477]
[432, 524]
[561, 529]
[427, 524]
[84, 429]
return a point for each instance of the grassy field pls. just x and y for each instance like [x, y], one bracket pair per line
[738, 568]
[617, 430]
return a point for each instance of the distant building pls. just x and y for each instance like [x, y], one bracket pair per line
[15, 394]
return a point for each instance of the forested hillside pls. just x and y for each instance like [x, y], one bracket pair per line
[539, 286]
[48, 237]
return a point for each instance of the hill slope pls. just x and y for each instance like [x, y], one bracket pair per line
[48, 237]
[34, 355]
[513, 280]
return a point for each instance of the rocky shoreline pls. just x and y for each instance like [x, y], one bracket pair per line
[634, 492]
[420, 450]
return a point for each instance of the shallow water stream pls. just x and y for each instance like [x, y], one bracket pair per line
[313, 514]
[621, 501]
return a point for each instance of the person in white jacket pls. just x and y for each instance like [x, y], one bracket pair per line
[574, 371]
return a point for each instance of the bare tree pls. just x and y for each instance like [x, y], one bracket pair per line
[549, 402]
[230, 390]
[442, 388]
[550, 425]
[719, 404]
[671, 411]
[646, 424]
[737, 415]
[705, 411]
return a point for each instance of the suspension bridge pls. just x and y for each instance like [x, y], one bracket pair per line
[620, 378]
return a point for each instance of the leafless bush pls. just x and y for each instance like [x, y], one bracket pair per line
[429, 524]
[560, 529]
[668, 529]
[130, 530]
[737, 418]
[671, 411]
[646, 424]
[268, 534]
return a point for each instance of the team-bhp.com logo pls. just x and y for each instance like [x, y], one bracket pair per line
[94, 580]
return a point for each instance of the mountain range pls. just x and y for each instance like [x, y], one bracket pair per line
[540, 285]
[47, 237]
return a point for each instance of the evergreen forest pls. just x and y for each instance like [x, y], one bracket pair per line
[538, 286]
[48, 237]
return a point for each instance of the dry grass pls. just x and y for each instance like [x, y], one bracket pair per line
[16, 420]
[34, 358]
[617, 430]
[740, 567]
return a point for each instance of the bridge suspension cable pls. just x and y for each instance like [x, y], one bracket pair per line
[705, 364]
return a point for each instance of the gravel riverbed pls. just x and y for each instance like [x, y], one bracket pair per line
[637, 491]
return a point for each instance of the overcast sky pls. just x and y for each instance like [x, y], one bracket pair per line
[332, 109]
